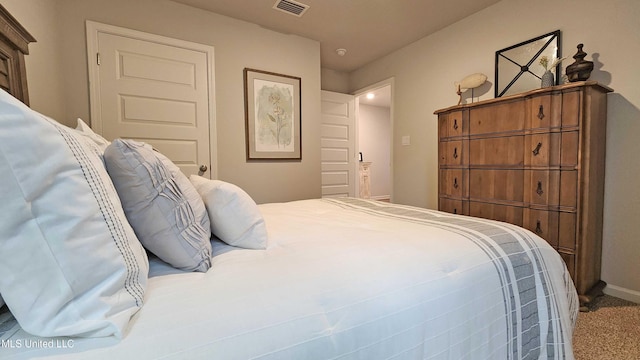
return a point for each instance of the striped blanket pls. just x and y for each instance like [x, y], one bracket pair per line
[350, 279]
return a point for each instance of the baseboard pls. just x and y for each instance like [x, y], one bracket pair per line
[381, 197]
[622, 293]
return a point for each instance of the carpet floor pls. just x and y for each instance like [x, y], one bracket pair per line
[610, 330]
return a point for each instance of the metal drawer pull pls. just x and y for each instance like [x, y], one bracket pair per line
[455, 211]
[541, 112]
[455, 153]
[536, 151]
[538, 228]
[455, 183]
[539, 189]
[455, 124]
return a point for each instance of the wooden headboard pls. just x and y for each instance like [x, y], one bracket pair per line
[14, 45]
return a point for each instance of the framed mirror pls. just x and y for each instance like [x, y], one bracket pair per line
[518, 67]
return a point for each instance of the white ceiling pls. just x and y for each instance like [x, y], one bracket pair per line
[367, 29]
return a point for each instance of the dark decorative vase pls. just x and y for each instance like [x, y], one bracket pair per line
[580, 70]
[547, 79]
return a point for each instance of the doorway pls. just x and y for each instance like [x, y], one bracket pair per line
[374, 109]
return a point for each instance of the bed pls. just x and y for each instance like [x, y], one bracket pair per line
[89, 273]
[329, 278]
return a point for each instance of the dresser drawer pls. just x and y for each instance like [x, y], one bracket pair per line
[452, 206]
[451, 182]
[542, 187]
[507, 150]
[497, 118]
[571, 108]
[543, 223]
[504, 185]
[570, 147]
[443, 132]
[451, 152]
[570, 261]
[569, 189]
[567, 231]
[544, 111]
[543, 149]
[451, 125]
[506, 213]
[455, 124]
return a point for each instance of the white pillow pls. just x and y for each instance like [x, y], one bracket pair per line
[235, 217]
[70, 264]
[84, 129]
[162, 206]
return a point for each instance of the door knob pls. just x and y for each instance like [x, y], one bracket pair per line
[203, 168]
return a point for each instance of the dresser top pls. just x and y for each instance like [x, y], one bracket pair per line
[550, 89]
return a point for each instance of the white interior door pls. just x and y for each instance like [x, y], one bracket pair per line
[155, 90]
[338, 137]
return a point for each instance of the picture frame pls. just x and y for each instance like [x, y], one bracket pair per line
[518, 66]
[272, 116]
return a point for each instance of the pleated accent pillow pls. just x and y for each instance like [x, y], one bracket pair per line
[162, 206]
[70, 263]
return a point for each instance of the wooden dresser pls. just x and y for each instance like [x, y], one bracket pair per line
[14, 42]
[537, 160]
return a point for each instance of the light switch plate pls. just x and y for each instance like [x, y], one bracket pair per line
[406, 140]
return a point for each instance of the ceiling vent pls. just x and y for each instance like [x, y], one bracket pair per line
[291, 7]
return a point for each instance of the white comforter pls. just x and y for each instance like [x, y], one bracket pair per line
[350, 279]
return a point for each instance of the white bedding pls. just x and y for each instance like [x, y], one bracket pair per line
[350, 279]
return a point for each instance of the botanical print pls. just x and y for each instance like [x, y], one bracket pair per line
[272, 104]
[274, 116]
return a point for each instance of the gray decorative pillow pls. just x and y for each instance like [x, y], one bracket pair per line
[164, 209]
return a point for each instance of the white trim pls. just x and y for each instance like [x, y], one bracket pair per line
[622, 293]
[356, 146]
[93, 29]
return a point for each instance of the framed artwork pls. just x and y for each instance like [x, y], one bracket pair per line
[272, 116]
[518, 67]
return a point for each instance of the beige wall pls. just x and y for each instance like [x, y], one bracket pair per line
[336, 81]
[43, 63]
[424, 73]
[237, 45]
